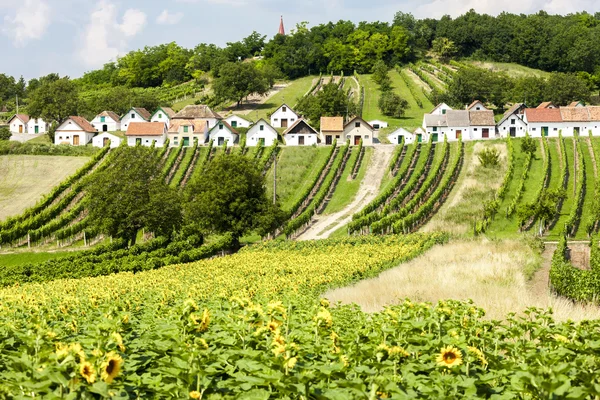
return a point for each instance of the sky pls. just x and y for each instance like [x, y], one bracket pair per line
[69, 37]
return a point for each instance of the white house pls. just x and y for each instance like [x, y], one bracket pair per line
[107, 121]
[436, 125]
[482, 125]
[187, 131]
[301, 134]
[357, 129]
[36, 125]
[477, 105]
[378, 124]
[283, 117]
[201, 112]
[18, 123]
[331, 128]
[75, 131]
[163, 114]
[222, 134]
[261, 131]
[512, 123]
[440, 109]
[577, 121]
[543, 121]
[146, 133]
[396, 136]
[106, 139]
[459, 123]
[237, 122]
[136, 114]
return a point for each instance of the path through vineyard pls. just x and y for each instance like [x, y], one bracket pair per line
[325, 225]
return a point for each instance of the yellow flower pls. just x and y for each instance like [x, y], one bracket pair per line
[276, 306]
[62, 350]
[78, 351]
[291, 363]
[203, 343]
[118, 340]
[194, 394]
[344, 360]
[97, 352]
[453, 334]
[325, 303]
[560, 338]
[273, 325]
[110, 367]
[479, 354]
[398, 351]
[88, 372]
[324, 317]
[278, 349]
[449, 357]
[205, 321]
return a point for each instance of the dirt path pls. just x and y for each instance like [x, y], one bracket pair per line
[325, 225]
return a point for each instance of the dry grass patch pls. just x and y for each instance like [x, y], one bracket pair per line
[494, 274]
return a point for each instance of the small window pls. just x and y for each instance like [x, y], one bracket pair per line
[132, 116]
[185, 129]
[262, 128]
[555, 129]
[478, 108]
[284, 109]
[512, 121]
[534, 129]
[60, 138]
[220, 126]
[366, 136]
[292, 119]
[444, 111]
[276, 119]
[357, 124]
[159, 115]
[338, 136]
[475, 129]
[435, 128]
[102, 119]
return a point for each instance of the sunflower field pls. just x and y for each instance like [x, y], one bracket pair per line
[252, 326]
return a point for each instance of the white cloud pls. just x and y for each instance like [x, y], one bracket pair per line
[105, 38]
[166, 18]
[30, 21]
[133, 22]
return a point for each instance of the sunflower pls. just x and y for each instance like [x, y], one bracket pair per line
[479, 354]
[449, 357]
[111, 366]
[291, 363]
[273, 325]
[194, 394]
[205, 321]
[88, 372]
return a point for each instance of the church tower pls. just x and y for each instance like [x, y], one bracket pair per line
[281, 28]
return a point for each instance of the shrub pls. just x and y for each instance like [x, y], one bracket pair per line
[392, 105]
[5, 133]
[528, 145]
[489, 158]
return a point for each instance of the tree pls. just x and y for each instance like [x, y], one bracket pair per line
[54, 100]
[329, 101]
[230, 198]
[528, 145]
[239, 80]
[5, 133]
[392, 105]
[381, 76]
[444, 48]
[130, 195]
[489, 157]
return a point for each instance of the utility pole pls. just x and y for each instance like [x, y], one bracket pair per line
[275, 181]
[17, 96]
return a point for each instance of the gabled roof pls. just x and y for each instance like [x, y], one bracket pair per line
[230, 117]
[543, 115]
[285, 105]
[110, 114]
[146, 129]
[22, 117]
[473, 104]
[401, 131]
[575, 114]
[438, 106]
[300, 124]
[198, 125]
[577, 104]
[145, 114]
[458, 118]
[196, 111]
[436, 120]
[82, 123]
[226, 124]
[360, 119]
[332, 124]
[167, 110]
[546, 104]
[482, 118]
[265, 122]
[512, 110]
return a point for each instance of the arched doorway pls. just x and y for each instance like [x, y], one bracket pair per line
[104, 128]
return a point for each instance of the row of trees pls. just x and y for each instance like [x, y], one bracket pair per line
[390, 103]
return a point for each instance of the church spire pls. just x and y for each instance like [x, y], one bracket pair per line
[281, 28]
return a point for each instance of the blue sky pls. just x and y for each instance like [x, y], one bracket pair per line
[73, 36]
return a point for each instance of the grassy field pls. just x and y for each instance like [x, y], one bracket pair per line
[41, 139]
[568, 203]
[25, 179]
[289, 95]
[414, 114]
[555, 166]
[297, 167]
[346, 189]
[11, 259]
[189, 153]
[514, 70]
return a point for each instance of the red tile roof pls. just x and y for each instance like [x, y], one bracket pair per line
[543, 115]
[546, 104]
[332, 124]
[146, 129]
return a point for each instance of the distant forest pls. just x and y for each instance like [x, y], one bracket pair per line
[568, 44]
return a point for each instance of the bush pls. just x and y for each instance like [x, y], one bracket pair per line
[528, 145]
[489, 158]
[5, 133]
[392, 105]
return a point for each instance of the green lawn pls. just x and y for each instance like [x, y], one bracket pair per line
[414, 114]
[41, 139]
[289, 95]
[12, 259]
[590, 182]
[346, 190]
[297, 168]
[555, 232]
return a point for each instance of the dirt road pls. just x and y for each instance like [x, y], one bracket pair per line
[325, 225]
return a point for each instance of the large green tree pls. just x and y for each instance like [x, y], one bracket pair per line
[230, 197]
[238, 80]
[54, 100]
[130, 195]
[329, 101]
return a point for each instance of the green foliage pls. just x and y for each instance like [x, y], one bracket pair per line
[444, 48]
[381, 76]
[5, 133]
[329, 101]
[230, 197]
[489, 157]
[236, 81]
[54, 101]
[572, 223]
[528, 145]
[392, 105]
[127, 196]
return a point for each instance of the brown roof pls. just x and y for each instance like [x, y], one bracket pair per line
[482, 118]
[594, 113]
[474, 103]
[576, 103]
[227, 125]
[360, 119]
[143, 113]
[546, 104]
[196, 111]
[110, 114]
[169, 111]
[305, 128]
[512, 110]
[332, 124]
[146, 129]
[24, 118]
[199, 125]
[543, 115]
[83, 124]
[575, 114]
